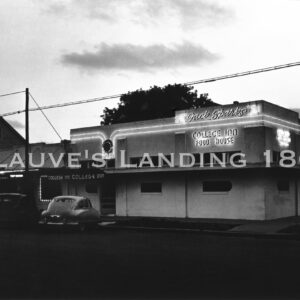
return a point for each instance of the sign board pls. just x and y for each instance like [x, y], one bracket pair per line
[86, 176]
[214, 137]
[214, 113]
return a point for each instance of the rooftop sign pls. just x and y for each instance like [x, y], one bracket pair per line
[218, 113]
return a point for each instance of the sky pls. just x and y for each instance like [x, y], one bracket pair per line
[80, 49]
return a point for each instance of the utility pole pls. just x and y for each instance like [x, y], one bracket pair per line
[26, 132]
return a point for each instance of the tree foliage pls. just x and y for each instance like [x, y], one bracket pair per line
[156, 102]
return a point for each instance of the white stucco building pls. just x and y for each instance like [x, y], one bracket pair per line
[225, 189]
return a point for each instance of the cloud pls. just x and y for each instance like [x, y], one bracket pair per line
[56, 8]
[189, 13]
[193, 12]
[139, 58]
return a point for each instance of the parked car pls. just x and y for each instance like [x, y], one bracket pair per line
[71, 210]
[17, 210]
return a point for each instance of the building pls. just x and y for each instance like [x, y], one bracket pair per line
[48, 175]
[222, 162]
[9, 137]
[10, 140]
[217, 188]
[12, 165]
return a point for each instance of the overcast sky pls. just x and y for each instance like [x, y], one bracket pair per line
[79, 49]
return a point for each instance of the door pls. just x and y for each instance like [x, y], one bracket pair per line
[72, 188]
[108, 197]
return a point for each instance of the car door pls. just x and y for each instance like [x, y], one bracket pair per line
[7, 211]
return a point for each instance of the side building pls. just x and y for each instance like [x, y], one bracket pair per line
[49, 174]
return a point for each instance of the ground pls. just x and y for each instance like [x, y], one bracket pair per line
[128, 263]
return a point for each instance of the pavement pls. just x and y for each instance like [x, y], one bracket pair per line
[60, 263]
[279, 227]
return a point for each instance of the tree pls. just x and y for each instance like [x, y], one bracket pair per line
[155, 103]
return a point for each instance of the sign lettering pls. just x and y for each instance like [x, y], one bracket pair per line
[218, 137]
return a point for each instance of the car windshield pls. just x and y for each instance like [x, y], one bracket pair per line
[61, 204]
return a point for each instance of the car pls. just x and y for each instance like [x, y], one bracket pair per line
[17, 210]
[71, 210]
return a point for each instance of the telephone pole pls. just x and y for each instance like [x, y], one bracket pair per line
[26, 132]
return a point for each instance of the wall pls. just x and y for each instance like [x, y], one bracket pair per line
[169, 203]
[150, 143]
[254, 144]
[162, 135]
[244, 201]
[279, 204]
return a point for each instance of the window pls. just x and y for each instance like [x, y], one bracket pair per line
[217, 186]
[83, 204]
[91, 187]
[64, 200]
[283, 185]
[151, 187]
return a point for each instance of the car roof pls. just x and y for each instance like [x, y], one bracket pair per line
[12, 194]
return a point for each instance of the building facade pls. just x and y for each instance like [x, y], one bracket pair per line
[238, 161]
[223, 162]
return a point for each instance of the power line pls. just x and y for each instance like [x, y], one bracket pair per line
[45, 116]
[63, 104]
[9, 94]
[268, 69]
[278, 67]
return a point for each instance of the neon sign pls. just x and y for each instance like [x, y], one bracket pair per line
[219, 113]
[283, 137]
[218, 137]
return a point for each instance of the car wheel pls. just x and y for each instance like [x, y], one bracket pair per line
[44, 220]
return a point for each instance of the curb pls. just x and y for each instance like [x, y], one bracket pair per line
[284, 236]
